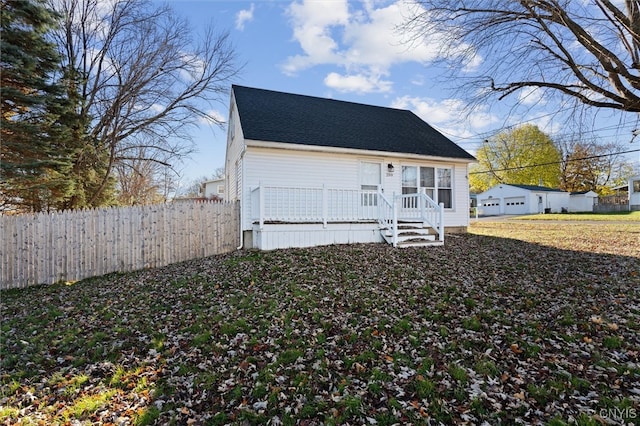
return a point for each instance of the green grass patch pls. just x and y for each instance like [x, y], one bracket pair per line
[87, 405]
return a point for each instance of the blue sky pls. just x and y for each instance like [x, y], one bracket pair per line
[352, 51]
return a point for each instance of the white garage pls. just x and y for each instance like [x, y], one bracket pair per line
[522, 199]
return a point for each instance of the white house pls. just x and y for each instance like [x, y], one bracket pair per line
[312, 171]
[522, 199]
[634, 193]
[213, 189]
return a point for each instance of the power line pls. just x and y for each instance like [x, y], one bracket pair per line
[553, 162]
[590, 133]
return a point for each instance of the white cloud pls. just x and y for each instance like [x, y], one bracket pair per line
[244, 16]
[213, 117]
[358, 83]
[531, 96]
[312, 23]
[361, 38]
[449, 115]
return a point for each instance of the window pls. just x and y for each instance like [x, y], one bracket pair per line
[220, 189]
[444, 187]
[370, 176]
[636, 186]
[428, 181]
[409, 179]
[436, 182]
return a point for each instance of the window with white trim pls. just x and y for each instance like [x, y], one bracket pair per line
[436, 181]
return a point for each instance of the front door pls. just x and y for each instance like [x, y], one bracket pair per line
[370, 181]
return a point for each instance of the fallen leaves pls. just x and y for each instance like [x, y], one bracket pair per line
[483, 330]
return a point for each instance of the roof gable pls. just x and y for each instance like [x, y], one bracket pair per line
[271, 116]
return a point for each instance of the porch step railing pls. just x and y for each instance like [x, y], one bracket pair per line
[414, 209]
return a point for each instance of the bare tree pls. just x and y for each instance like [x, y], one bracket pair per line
[142, 179]
[586, 51]
[589, 165]
[142, 78]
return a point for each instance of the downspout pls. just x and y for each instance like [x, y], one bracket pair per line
[244, 149]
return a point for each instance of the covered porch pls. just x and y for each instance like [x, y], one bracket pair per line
[289, 216]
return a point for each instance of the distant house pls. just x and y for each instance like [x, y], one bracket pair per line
[522, 199]
[213, 189]
[634, 193]
[313, 171]
[625, 198]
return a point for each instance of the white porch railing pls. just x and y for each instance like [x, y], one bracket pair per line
[324, 205]
[315, 205]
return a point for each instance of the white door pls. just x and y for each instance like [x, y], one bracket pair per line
[515, 205]
[370, 181]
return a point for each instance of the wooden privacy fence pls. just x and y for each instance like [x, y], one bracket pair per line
[45, 248]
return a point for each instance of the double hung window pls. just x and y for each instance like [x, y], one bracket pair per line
[436, 182]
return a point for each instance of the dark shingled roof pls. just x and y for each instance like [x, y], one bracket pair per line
[272, 116]
[536, 188]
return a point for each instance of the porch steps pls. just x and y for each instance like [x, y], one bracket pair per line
[412, 234]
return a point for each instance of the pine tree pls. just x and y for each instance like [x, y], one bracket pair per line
[33, 159]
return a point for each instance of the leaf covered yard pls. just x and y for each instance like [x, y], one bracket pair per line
[533, 325]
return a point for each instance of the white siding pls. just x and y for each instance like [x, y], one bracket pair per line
[582, 202]
[295, 168]
[459, 215]
[634, 196]
[273, 237]
[235, 149]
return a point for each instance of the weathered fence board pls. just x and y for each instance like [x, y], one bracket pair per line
[44, 248]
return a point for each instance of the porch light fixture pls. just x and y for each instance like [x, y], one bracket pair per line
[390, 168]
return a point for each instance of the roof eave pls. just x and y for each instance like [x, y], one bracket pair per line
[338, 150]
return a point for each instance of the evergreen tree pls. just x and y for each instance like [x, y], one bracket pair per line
[33, 164]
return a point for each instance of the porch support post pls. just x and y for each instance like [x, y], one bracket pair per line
[421, 205]
[379, 204]
[441, 223]
[325, 205]
[261, 204]
[395, 221]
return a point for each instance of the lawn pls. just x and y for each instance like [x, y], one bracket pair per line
[534, 323]
[613, 217]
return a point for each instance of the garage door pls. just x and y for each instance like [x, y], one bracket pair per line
[490, 207]
[514, 205]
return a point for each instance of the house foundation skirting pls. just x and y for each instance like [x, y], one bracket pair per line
[289, 235]
[277, 236]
